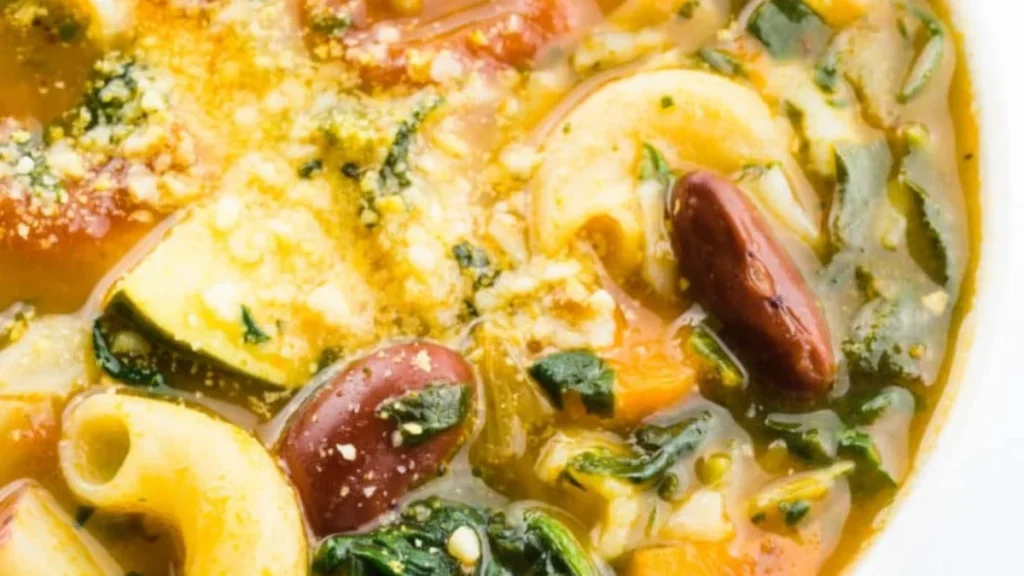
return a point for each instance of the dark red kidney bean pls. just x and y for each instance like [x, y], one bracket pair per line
[741, 274]
[342, 457]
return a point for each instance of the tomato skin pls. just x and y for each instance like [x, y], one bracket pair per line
[389, 49]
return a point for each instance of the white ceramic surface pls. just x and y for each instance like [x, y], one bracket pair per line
[963, 513]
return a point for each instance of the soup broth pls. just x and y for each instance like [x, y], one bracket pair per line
[553, 287]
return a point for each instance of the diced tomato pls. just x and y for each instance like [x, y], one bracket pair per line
[389, 47]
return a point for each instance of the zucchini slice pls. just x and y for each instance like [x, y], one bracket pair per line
[261, 293]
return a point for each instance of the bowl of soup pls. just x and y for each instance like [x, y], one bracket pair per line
[411, 287]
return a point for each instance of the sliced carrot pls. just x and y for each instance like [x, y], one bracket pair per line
[688, 559]
[648, 380]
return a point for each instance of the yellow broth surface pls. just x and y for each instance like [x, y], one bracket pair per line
[219, 217]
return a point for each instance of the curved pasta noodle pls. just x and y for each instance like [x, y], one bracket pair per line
[215, 483]
[37, 537]
[589, 178]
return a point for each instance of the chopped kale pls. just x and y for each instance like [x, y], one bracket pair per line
[654, 167]
[419, 415]
[789, 28]
[657, 449]
[721, 61]
[862, 173]
[885, 335]
[252, 333]
[928, 235]
[131, 371]
[330, 22]
[871, 473]
[891, 398]
[579, 371]
[474, 260]
[351, 170]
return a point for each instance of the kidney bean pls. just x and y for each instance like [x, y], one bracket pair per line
[346, 460]
[738, 271]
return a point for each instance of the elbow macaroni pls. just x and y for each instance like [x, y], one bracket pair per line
[216, 484]
[38, 538]
[589, 179]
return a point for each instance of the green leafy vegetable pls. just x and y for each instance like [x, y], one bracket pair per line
[721, 62]
[252, 333]
[813, 437]
[133, 372]
[862, 173]
[578, 371]
[871, 473]
[658, 448]
[886, 338]
[789, 28]
[421, 414]
[688, 8]
[928, 234]
[927, 61]
[654, 167]
[416, 545]
[394, 172]
[892, 398]
[722, 364]
[826, 73]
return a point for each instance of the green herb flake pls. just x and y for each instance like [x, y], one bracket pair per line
[862, 174]
[794, 511]
[581, 372]
[252, 333]
[419, 415]
[307, 170]
[394, 172]
[658, 448]
[789, 28]
[721, 61]
[667, 102]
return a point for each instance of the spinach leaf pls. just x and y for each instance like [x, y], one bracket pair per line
[658, 449]
[928, 235]
[654, 167]
[721, 363]
[421, 414]
[252, 333]
[415, 544]
[394, 172]
[789, 28]
[886, 338]
[578, 371]
[862, 173]
[134, 372]
[826, 72]
[871, 473]
[721, 62]
[813, 437]
[541, 546]
[928, 59]
[892, 398]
